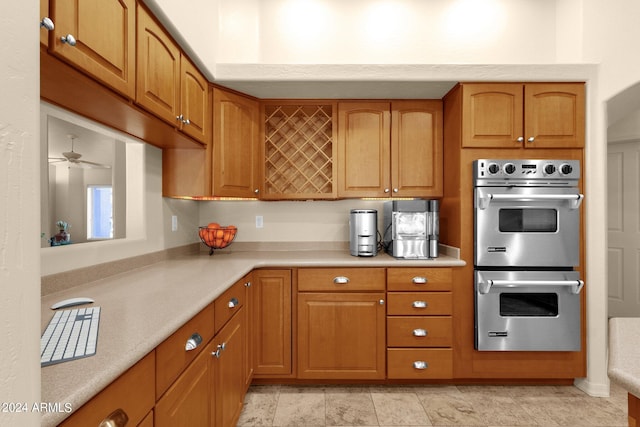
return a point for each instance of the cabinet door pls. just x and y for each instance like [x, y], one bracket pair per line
[272, 322]
[235, 124]
[554, 115]
[105, 39]
[364, 132]
[158, 73]
[341, 336]
[44, 11]
[228, 370]
[492, 115]
[416, 148]
[188, 401]
[195, 102]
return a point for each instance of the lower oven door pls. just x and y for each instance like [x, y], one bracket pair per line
[527, 227]
[527, 310]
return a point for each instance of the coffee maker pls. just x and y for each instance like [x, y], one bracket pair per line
[363, 232]
[412, 228]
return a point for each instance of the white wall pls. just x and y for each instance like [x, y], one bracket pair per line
[19, 210]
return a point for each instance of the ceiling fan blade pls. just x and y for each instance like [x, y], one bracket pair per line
[93, 164]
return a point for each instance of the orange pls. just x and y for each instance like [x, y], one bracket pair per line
[213, 225]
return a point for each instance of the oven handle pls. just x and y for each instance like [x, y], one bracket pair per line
[574, 199]
[485, 287]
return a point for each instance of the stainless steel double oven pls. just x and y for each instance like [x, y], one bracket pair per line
[527, 244]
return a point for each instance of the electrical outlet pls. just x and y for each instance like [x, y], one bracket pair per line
[259, 221]
[174, 223]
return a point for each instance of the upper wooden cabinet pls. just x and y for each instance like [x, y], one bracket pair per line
[390, 149]
[168, 84]
[104, 33]
[235, 145]
[515, 115]
[44, 12]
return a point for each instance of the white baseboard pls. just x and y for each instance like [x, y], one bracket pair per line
[591, 388]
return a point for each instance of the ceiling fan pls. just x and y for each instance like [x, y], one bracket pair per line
[73, 158]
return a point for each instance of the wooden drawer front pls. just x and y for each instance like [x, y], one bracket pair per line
[229, 303]
[132, 394]
[341, 279]
[419, 303]
[419, 279]
[424, 331]
[413, 363]
[172, 355]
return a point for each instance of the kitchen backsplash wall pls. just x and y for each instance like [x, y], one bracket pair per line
[294, 221]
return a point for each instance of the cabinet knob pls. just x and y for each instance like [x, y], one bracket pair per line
[395, 190]
[180, 118]
[117, 418]
[233, 302]
[69, 39]
[531, 139]
[419, 304]
[419, 332]
[386, 190]
[186, 121]
[420, 364]
[193, 342]
[256, 191]
[47, 23]
[520, 139]
[247, 285]
[419, 280]
[381, 302]
[219, 349]
[341, 280]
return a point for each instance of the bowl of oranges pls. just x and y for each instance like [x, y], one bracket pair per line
[216, 236]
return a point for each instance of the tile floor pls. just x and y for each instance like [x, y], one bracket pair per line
[469, 405]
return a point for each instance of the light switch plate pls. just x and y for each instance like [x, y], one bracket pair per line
[259, 221]
[174, 223]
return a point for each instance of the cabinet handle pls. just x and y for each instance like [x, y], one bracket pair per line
[219, 349]
[395, 190]
[420, 304]
[531, 139]
[341, 280]
[520, 139]
[386, 190]
[117, 418]
[186, 121]
[256, 191]
[69, 39]
[419, 332]
[180, 118]
[381, 302]
[419, 280]
[193, 342]
[233, 302]
[420, 364]
[247, 285]
[47, 23]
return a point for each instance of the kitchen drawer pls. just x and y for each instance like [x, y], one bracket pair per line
[341, 279]
[172, 354]
[419, 303]
[419, 279]
[419, 331]
[229, 303]
[414, 363]
[131, 395]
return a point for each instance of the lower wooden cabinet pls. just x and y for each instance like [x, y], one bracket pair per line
[420, 363]
[228, 371]
[272, 323]
[131, 395]
[341, 335]
[189, 400]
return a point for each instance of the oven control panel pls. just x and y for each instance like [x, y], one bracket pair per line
[507, 170]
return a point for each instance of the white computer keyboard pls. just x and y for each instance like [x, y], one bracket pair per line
[71, 334]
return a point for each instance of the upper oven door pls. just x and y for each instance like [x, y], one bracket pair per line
[527, 226]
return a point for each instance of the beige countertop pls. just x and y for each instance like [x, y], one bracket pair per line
[140, 308]
[624, 353]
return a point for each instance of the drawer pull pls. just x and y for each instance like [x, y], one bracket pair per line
[117, 418]
[419, 332]
[193, 342]
[420, 364]
[419, 304]
[219, 350]
[233, 302]
[419, 280]
[341, 280]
